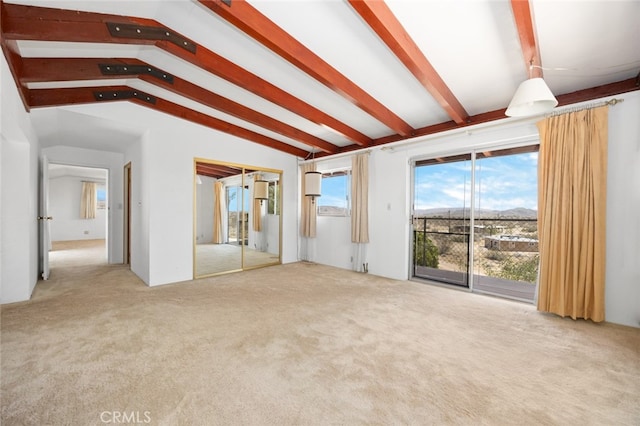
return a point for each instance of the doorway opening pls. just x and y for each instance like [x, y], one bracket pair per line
[77, 199]
[127, 215]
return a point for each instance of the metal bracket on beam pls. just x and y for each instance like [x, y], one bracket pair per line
[120, 69]
[149, 33]
[115, 95]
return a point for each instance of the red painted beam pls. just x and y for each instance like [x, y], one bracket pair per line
[381, 20]
[42, 23]
[10, 50]
[248, 19]
[585, 95]
[527, 34]
[85, 95]
[38, 23]
[72, 69]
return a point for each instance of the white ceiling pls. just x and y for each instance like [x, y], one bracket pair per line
[63, 170]
[473, 45]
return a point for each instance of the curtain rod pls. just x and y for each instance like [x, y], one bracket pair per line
[343, 154]
[473, 127]
[567, 110]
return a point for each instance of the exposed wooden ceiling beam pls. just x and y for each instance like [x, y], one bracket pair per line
[380, 18]
[248, 19]
[584, 95]
[14, 60]
[83, 95]
[527, 33]
[72, 69]
[46, 24]
[227, 170]
[215, 171]
[42, 23]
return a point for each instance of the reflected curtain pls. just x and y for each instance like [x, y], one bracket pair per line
[88, 202]
[360, 209]
[572, 173]
[218, 213]
[257, 206]
[308, 211]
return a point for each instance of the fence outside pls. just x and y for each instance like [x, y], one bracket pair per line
[505, 253]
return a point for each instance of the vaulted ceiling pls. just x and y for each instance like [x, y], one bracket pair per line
[319, 76]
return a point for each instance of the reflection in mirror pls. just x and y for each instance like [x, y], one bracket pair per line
[264, 235]
[237, 217]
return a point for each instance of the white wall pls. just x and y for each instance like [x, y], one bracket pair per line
[333, 243]
[390, 197]
[65, 194]
[139, 238]
[19, 173]
[114, 163]
[623, 213]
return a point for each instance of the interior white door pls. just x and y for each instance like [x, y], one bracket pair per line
[44, 218]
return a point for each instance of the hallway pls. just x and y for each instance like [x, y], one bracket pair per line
[75, 265]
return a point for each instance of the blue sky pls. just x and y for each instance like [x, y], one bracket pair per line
[506, 182]
[334, 191]
[234, 204]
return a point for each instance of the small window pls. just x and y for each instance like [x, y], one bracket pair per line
[273, 206]
[336, 189]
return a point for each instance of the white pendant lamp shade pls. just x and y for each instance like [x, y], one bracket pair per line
[312, 183]
[532, 97]
[261, 190]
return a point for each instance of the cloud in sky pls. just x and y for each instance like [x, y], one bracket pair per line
[334, 191]
[501, 183]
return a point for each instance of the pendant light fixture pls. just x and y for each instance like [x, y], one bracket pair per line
[533, 97]
[261, 190]
[313, 183]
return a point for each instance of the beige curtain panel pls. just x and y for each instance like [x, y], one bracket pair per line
[308, 213]
[257, 207]
[572, 173]
[218, 212]
[88, 202]
[360, 198]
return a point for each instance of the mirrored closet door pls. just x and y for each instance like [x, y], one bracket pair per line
[237, 220]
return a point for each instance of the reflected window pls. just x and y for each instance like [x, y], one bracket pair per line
[273, 206]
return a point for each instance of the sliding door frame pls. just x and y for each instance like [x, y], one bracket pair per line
[491, 146]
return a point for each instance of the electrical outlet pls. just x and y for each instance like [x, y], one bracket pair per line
[86, 232]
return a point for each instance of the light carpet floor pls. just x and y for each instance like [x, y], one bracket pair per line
[303, 344]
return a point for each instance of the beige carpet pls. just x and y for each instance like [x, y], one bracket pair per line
[304, 344]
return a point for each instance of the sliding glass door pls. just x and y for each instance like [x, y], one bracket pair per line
[506, 222]
[497, 239]
[237, 215]
[234, 214]
[441, 220]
